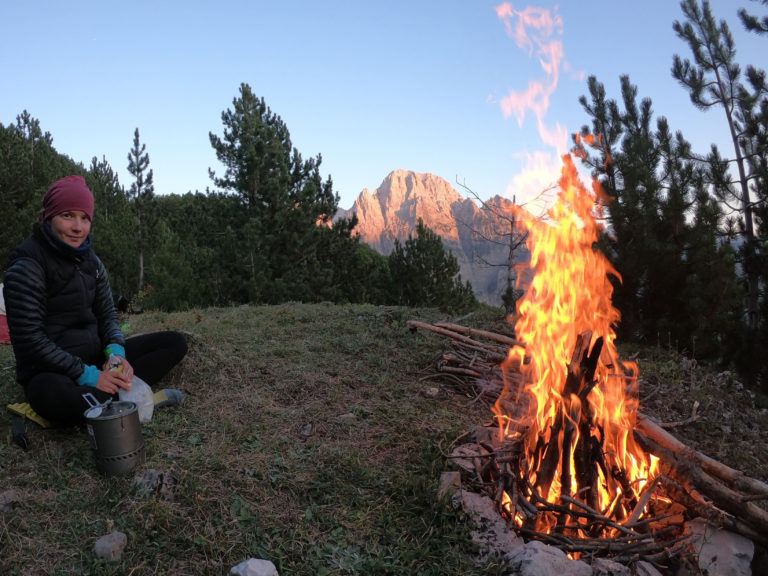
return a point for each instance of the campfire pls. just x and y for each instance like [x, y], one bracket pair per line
[570, 468]
[571, 460]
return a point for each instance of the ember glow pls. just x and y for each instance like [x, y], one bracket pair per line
[574, 422]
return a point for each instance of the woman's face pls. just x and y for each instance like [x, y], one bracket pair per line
[71, 227]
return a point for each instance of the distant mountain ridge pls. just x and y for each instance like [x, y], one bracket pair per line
[475, 235]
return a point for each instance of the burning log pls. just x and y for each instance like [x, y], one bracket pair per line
[586, 454]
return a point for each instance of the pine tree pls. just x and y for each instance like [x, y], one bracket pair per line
[113, 222]
[29, 163]
[755, 146]
[142, 194]
[663, 228]
[618, 147]
[714, 294]
[424, 274]
[211, 247]
[754, 23]
[284, 195]
[713, 79]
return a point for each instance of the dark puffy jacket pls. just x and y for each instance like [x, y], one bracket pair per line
[59, 308]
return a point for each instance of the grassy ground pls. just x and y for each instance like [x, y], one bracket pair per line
[305, 438]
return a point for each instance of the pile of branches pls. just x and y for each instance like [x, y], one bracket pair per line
[705, 487]
[473, 365]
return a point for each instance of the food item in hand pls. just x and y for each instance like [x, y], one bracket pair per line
[115, 363]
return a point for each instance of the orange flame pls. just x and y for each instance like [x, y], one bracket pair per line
[570, 295]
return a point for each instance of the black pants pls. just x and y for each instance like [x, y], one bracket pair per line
[58, 398]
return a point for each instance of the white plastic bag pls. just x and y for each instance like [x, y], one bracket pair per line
[141, 395]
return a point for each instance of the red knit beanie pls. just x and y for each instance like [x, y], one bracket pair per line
[70, 193]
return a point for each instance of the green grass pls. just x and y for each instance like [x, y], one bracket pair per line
[304, 439]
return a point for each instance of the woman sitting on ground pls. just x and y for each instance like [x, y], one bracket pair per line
[62, 319]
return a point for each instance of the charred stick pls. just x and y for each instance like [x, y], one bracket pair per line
[594, 514]
[573, 414]
[753, 497]
[626, 487]
[579, 361]
[581, 416]
[589, 367]
[588, 457]
[538, 452]
[639, 506]
[616, 508]
[526, 508]
[650, 520]
[731, 501]
[658, 553]
[581, 510]
[555, 539]
[612, 547]
[692, 501]
[551, 457]
[710, 512]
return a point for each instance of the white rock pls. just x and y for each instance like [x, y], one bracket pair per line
[491, 531]
[606, 567]
[721, 553]
[450, 483]
[463, 456]
[254, 567]
[111, 546]
[644, 568]
[9, 498]
[538, 559]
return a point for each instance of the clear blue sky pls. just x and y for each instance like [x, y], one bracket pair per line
[372, 86]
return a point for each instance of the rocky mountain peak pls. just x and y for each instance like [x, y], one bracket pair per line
[470, 230]
[394, 209]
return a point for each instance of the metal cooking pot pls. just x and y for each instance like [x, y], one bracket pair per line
[115, 433]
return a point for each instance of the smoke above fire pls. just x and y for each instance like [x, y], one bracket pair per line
[537, 33]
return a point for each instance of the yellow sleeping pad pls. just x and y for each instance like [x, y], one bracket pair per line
[25, 410]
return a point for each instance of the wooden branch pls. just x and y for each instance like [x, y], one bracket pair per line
[461, 371]
[446, 332]
[706, 510]
[500, 338]
[490, 355]
[640, 505]
[728, 509]
[547, 467]
[692, 418]
[733, 478]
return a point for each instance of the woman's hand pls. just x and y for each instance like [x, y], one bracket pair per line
[111, 381]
